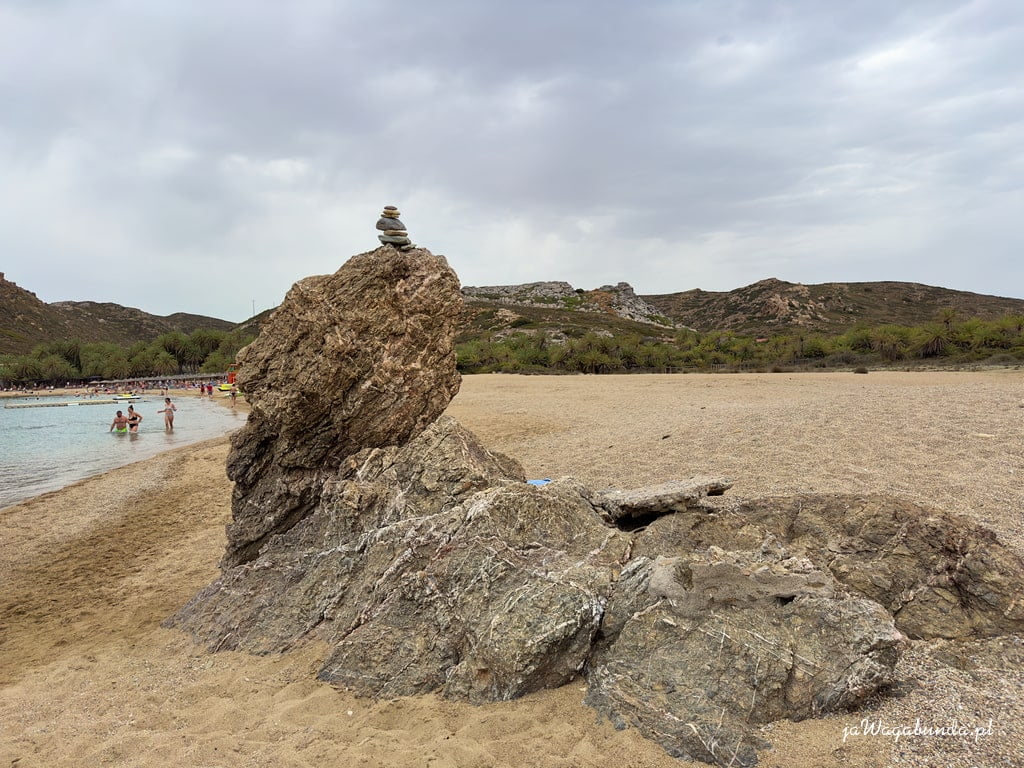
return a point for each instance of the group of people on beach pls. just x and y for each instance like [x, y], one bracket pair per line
[130, 423]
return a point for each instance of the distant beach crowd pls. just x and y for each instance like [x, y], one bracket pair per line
[205, 386]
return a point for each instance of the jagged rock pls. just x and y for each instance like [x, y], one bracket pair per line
[359, 359]
[621, 299]
[429, 567]
[702, 647]
[434, 566]
[940, 575]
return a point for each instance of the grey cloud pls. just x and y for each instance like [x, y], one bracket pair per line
[760, 125]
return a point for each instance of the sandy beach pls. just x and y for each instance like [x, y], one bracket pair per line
[88, 676]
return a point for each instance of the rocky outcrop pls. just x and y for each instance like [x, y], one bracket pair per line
[619, 299]
[362, 358]
[434, 567]
[365, 519]
[537, 294]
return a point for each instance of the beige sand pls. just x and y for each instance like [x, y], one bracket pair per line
[87, 676]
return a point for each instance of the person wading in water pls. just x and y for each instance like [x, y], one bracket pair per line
[168, 412]
[134, 419]
[120, 423]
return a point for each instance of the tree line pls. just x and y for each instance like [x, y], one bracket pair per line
[175, 353]
[947, 341]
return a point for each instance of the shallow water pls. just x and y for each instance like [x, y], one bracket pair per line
[47, 448]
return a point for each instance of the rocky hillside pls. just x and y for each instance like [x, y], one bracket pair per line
[771, 306]
[560, 311]
[615, 300]
[26, 321]
[766, 307]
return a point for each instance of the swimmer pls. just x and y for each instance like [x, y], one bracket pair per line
[134, 419]
[120, 423]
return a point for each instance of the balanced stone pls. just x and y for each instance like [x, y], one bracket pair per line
[394, 232]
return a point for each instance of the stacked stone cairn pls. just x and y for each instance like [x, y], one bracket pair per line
[393, 230]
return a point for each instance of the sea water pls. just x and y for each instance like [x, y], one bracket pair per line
[47, 448]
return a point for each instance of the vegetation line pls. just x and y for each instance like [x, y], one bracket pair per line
[949, 341]
[946, 342]
[58, 362]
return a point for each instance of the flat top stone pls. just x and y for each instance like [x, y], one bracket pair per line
[674, 495]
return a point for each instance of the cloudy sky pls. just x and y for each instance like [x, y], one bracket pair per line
[197, 156]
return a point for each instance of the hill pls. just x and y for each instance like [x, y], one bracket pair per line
[560, 310]
[774, 306]
[493, 312]
[26, 321]
[767, 307]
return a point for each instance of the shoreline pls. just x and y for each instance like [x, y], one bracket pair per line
[241, 406]
[88, 676]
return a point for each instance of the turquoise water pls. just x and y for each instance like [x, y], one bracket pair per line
[45, 449]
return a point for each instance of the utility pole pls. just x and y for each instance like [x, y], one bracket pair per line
[253, 308]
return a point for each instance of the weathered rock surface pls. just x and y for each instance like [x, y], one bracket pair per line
[700, 647]
[359, 359]
[643, 504]
[939, 575]
[434, 566]
[365, 518]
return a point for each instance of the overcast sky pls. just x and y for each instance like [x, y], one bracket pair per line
[203, 156]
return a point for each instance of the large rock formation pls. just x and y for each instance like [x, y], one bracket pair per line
[364, 518]
[359, 359]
